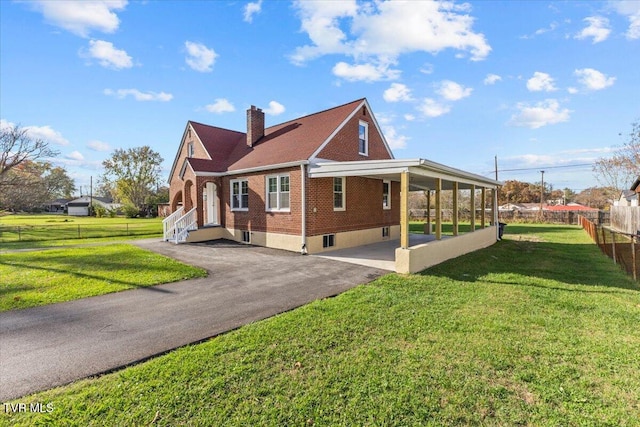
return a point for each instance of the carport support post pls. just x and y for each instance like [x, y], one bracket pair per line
[483, 208]
[473, 208]
[438, 209]
[404, 209]
[454, 209]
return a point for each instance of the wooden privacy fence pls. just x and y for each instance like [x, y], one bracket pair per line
[622, 248]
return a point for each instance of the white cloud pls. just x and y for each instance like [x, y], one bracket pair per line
[541, 82]
[385, 30]
[427, 69]
[138, 95]
[397, 92]
[199, 57]
[547, 112]
[275, 108]
[598, 29]
[219, 106]
[630, 9]
[432, 108]
[572, 90]
[452, 91]
[98, 146]
[409, 117]
[75, 155]
[45, 133]
[365, 72]
[394, 140]
[492, 79]
[107, 55]
[593, 79]
[251, 9]
[82, 17]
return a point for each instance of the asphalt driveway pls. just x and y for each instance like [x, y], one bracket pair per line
[44, 347]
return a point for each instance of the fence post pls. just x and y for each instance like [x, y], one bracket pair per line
[19, 234]
[127, 229]
[78, 231]
[634, 263]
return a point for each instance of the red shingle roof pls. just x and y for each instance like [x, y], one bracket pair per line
[295, 140]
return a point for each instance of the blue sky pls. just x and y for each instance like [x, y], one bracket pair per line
[542, 85]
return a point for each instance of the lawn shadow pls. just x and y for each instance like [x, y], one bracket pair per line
[526, 261]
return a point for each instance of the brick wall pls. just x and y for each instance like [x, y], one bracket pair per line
[177, 195]
[363, 206]
[344, 146]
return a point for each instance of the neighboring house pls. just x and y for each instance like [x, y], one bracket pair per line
[627, 198]
[569, 207]
[80, 206]
[320, 182]
[58, 206]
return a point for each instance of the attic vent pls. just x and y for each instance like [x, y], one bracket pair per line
[364, 111]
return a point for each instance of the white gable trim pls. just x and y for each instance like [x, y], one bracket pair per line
[365, 103]
[182, 142]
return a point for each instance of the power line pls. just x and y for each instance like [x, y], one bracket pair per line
[545, 167]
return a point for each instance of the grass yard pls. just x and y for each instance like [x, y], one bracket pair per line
[29, 279]
[540, 329]
[37, 230]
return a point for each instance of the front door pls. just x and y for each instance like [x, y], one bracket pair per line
[211, 198]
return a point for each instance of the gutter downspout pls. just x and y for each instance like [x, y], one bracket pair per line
[303, 192]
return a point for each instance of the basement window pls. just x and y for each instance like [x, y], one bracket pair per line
[246, 237]
[328, 240]
[385, 232]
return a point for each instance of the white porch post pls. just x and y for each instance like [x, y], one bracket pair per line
[404, 209]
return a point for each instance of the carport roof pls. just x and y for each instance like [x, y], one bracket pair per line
[422, 173]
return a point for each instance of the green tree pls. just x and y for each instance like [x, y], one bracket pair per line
[132, 174]
[58, 183]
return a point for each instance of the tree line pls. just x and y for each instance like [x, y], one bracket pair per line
[29, 180]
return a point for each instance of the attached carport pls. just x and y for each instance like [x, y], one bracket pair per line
[421, 174]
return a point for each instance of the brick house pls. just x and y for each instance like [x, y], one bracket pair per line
[320, 182]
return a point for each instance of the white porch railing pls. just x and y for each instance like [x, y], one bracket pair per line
[184, 224]
[169, 224]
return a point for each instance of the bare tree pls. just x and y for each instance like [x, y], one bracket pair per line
[623, 168]
[16, 146]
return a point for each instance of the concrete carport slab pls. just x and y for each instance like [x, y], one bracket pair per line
[48, 346]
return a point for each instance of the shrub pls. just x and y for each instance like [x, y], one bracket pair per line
[99, 211]
[131, 211]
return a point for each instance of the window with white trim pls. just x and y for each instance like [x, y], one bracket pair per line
[278, 193]
[339, 193]
[386, 194]
[239, 195]
[363, 138]
[190, 150]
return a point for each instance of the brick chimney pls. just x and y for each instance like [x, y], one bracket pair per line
[255, 125]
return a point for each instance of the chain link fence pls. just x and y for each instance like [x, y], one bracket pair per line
[24, 233]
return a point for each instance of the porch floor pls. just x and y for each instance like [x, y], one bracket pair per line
[379, 255]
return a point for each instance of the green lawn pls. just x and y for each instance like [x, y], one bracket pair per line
[540, 329]
[35, 278]
[18, 231]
